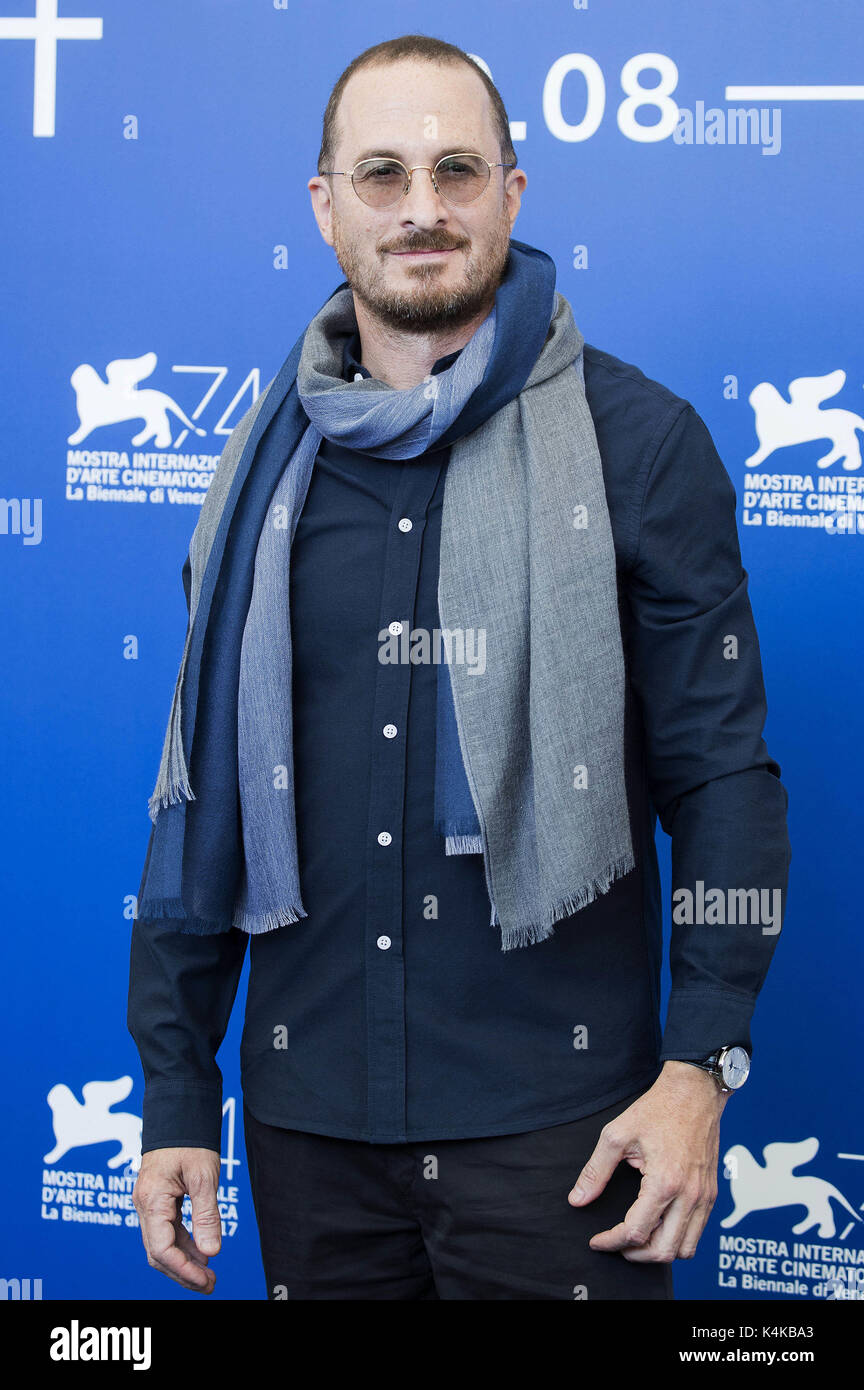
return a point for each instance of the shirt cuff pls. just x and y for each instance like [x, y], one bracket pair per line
[182, 1115]
[698, 1022]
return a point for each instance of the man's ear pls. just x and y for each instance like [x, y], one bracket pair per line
[322, 205]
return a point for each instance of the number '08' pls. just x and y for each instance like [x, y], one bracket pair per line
[635, 96]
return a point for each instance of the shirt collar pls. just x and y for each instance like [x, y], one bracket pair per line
[351, 364]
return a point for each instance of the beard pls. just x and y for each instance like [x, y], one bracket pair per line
[426, 305]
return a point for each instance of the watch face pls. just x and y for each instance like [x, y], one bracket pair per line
[736, 1067]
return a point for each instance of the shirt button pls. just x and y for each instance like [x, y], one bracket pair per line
[384, 943]
[405, 523]
[358, 376]
[384, 837]
[395, 627]
[389, 731]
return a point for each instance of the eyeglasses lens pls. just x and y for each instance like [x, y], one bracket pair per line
[381, 182]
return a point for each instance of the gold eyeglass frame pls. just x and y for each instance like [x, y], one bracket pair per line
[410, 172]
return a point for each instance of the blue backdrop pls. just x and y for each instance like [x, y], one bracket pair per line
[155, 207]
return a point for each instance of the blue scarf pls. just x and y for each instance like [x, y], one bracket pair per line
[226, 854]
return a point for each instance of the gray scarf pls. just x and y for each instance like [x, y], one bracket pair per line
[527, 556]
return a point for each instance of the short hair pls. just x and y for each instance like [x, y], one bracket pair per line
[412, 46]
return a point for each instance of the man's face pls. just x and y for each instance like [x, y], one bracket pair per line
[416, 112]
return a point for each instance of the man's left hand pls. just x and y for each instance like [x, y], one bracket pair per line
[672, 1135]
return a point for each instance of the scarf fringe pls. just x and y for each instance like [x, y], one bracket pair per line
[530, 934]
[172, 782]
[257, 923]
[172, 910]
[203, 926]
[463, 844]
[159, 909]
[169, 794]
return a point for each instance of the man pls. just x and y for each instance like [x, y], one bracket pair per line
[436, 1105]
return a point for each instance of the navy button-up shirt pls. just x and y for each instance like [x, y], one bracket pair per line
[390, 1013]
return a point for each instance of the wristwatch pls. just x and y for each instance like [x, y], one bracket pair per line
[730, 1067]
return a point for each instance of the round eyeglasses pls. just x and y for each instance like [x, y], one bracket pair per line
[459, 178]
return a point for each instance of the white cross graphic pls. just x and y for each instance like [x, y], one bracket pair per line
[46, 29]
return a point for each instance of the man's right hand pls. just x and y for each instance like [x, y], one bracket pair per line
[165, 1178]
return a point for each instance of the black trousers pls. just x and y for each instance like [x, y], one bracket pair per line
[449, 1219]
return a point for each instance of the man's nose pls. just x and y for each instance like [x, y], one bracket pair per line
[421, 204]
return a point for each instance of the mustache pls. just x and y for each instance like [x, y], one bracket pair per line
[424, 243]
